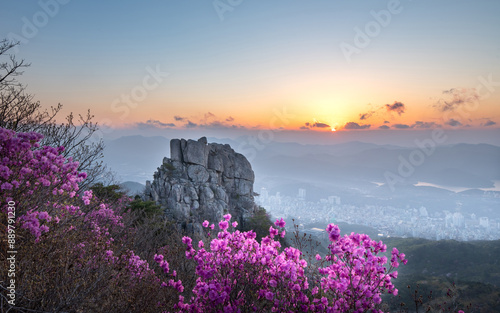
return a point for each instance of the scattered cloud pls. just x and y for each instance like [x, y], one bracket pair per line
[456, 97]
[190, 124]
[208, 120]
[316, 124]
[215, 124]
[397, 107]
[220, 125]
[154, 124]
[367, 115]
[353, 125]
[384, 127]
[401, 126]
[489, 123]
[453, 122]
[320, 125]
[420, 124]
[209, 115]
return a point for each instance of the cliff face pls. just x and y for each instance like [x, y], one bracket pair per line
[203, 181]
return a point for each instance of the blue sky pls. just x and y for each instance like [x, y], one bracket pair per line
[233, 69]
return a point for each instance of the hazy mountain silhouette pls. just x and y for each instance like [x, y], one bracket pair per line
[135, 158]
[463, 165]
[355, 163]
[133, 188]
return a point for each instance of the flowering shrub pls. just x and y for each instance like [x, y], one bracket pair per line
[236, 273]
[35, 179]
[356, 276]
[74, 252]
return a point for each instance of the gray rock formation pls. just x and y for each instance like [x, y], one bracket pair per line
[201, 182]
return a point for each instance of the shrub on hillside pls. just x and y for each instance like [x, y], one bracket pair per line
[73, 252]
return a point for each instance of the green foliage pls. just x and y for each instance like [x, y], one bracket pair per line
[433, 267]
[108, 194]
[169, 167]
[143, 209]
[437, 294]
[260, 223]
[475, 261]
[114, 193]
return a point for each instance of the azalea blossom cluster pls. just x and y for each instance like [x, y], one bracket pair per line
[236, 271]
[356, 276]
[25, 168]
[27, 172]
[44, 185]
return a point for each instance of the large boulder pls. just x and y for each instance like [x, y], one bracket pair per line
[203, 181]
[175, 150]
[198, 173]
[196, 152]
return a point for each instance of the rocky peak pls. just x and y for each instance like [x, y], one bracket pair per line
[202, 181]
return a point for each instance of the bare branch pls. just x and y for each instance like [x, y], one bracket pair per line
[11, 68]
[21, 113]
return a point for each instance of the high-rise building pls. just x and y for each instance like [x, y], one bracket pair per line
[264, 195]
[334, 200]
[423, 212]
[458, 220]
[449, 220]
[302, 194]
[484, 222]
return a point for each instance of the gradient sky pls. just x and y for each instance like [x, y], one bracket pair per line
[299, 65]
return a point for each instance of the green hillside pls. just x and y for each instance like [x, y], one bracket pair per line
[475, 261]
[448, 274]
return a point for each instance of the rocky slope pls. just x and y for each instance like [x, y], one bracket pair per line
[203, 181]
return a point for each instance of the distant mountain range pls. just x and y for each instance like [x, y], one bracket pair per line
[462, 165]
[133, 188]
[136, 158]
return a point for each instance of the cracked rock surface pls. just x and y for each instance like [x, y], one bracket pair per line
[203, 181]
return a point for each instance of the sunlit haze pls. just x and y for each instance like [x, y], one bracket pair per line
[317, 66]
